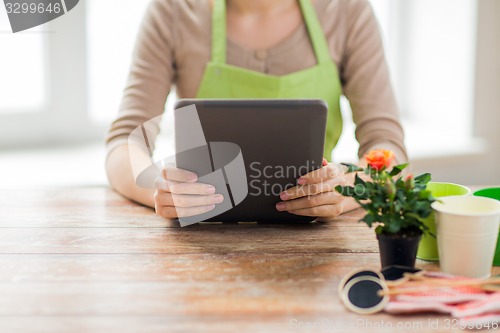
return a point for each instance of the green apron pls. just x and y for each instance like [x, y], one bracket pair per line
[321, 81]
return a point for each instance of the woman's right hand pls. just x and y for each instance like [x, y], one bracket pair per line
[178, 194]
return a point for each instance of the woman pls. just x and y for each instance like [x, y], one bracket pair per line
[311, 48]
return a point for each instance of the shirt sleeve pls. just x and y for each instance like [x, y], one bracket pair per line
[150, 77]
[366, 83]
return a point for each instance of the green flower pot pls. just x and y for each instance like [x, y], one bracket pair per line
[428, 249]
[493, 193]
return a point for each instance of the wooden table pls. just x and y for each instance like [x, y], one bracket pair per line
[86, 260]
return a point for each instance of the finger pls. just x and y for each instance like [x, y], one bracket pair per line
[324, 162]
[180, 175]
[329, 171]
[312, 189]
[182, 187]
[192, 188]
[328, 198]
[173, 212]
[164, 184]
[320, 211]
[187, 200]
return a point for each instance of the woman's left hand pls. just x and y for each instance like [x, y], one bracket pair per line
[315, 195]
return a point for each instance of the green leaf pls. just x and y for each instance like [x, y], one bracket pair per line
[397, 169]
[352, 167]
[425, 194]
[423, 178]
[393, 228]
[347, 191]
[360, 192]
[358, 180]
[369, 219]
[414, 215]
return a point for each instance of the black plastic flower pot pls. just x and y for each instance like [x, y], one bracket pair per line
[398, 249]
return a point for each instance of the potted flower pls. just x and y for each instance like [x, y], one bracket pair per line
[395, 204]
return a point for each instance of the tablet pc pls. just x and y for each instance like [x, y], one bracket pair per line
[257, 146]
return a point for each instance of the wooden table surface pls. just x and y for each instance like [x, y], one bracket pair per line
[86, 260]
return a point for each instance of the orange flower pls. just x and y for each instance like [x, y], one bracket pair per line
[379, 159]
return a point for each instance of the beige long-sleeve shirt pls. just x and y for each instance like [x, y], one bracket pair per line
[174, 45]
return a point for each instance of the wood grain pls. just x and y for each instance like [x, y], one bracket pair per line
[87, 260]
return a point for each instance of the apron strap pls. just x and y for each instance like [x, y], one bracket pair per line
[316, 33]
[219, 32]
[314, 28]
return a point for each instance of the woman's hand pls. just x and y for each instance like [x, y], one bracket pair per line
[179, 195]
[315, 195]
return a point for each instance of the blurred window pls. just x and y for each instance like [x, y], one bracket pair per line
[111, 39]
[430, 47]
[22, 69]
